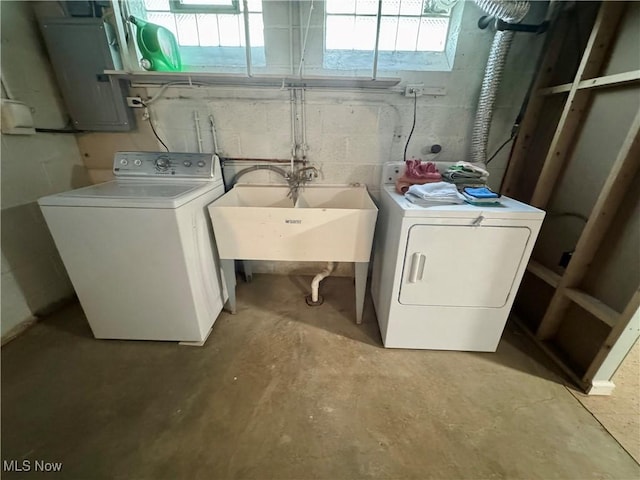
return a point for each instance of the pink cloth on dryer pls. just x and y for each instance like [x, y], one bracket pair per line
[417, 173]
[417, 169]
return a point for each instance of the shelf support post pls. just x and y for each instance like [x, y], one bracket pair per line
[604, 31]
[624, 168]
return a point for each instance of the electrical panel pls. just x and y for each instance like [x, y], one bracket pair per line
[81, 49]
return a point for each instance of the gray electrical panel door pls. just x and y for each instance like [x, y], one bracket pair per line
[81, 49]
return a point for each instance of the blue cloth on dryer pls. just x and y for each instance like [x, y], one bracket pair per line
[480, 192]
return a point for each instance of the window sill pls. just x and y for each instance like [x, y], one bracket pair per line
[277, 81]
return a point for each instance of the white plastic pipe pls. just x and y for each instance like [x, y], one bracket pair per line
[247, 37]
[214, 135]
[315, 283]
[303, 124]
[196, 118]
[294, 131]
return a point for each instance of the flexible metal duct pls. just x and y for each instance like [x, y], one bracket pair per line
[509, 11]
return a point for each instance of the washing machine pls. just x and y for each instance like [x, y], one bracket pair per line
[445, 277]
[140, 250]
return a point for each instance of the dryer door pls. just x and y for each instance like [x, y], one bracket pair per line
[461, 265]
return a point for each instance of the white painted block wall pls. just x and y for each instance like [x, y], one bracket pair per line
[350, 133]
[33, 276]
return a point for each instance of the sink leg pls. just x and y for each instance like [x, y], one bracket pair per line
[229, 271]
[248, 273]
[362, 268]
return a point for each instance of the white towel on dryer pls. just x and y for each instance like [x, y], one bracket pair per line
[439, 193]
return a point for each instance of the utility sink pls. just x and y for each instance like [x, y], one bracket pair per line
[327, 223]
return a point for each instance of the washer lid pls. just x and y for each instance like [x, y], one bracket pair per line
[131, 194]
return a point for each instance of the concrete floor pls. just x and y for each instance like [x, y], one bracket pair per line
[620, 412]
[282, 390]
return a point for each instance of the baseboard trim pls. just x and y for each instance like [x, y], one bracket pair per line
[601, 387]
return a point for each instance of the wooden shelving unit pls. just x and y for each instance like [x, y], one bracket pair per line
[542, 151]
[543, 273]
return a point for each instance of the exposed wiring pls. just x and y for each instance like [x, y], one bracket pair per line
[499, 149]
[415, 104]
[156, 134]
[552, 17]
[172, 84]
[153, 129]
[160, 92]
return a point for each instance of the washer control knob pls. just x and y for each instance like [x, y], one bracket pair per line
[137, 162]
[187, 163]
[162, 163]
[124, 162]
[201, 163]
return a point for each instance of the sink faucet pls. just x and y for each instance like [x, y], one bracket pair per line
[299, 178]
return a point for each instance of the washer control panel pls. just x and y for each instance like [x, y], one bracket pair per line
[163, 164]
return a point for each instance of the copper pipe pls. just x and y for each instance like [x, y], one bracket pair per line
[265, 160]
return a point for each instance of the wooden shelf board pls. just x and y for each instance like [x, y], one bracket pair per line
[564, 88]
[592, 305]
[614, 80]
[543, 273]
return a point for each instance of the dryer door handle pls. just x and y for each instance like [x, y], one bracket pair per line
[417, 267]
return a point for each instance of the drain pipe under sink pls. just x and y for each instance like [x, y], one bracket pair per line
[315, 299]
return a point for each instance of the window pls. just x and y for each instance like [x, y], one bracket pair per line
[407, 33]
[309, 37]
[208, 41]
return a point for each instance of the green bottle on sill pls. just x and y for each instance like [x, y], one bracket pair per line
[158, 46]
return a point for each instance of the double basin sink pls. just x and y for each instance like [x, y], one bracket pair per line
[326, 223]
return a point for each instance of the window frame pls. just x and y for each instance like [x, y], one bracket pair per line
[281, 20]
[435, 61]
[382, 16]
[176, 6]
